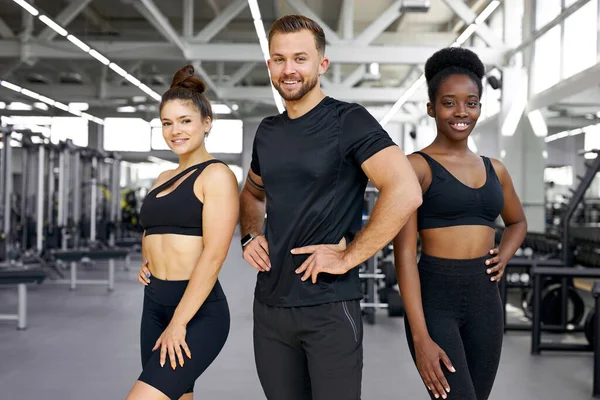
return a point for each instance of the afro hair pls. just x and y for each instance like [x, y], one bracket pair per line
[452, 61]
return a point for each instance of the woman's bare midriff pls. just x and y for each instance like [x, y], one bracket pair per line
[457, 242]
[172, 257]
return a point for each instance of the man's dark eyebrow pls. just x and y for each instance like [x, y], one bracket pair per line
[301, 53]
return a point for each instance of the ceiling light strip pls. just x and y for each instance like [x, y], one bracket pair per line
[49, 101]
[457, 43]
[264, 46]
[87, 49]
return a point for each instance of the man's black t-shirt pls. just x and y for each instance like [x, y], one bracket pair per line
[314, 185]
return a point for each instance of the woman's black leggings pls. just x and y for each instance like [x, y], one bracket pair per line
[463, 312]
[206, 334]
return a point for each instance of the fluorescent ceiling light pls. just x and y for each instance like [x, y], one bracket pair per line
[2, 105]
[254, 10]
[57, 28]
[487, 12]
[99, 57]
[87, 49]
[10, 86]
[374, 68]
[18, 106]
[117, 69]
[47, 100]
[221, 109]
[28, 7]
[466, 34]
[80, 106]
[41, 106]
[264, 46]
[536, 119]
[134, 81]
[61, 106]
[459, 41]
[73, 108]
[78, 43]
[31, 94]
[126, 109]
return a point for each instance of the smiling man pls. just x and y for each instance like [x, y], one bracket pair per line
[309, 171]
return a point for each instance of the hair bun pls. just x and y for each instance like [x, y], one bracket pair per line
[454, 57]
[185, 78]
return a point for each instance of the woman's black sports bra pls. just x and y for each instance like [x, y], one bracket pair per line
[449, 202]
[179, 211]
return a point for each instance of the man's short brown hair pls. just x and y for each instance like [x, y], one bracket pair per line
[297, 23]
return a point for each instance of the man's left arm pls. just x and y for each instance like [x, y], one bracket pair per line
[399, 197]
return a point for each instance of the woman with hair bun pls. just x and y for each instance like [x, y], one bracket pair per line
[454, 322]
[189, 218]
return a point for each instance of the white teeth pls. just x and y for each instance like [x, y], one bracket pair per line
[290, 82]
[461, 124]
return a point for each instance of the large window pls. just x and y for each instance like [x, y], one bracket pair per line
[126, 134]
[580, 38]
[225, 136]
[73, 128]
[546, 65]
[546, 11]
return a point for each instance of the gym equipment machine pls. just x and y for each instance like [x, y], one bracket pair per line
[12, 273]
[375, 271]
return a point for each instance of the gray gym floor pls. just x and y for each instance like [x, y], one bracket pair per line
[84, 345]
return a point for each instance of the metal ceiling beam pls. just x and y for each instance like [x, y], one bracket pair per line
[153, 14]
[5, 31]
[238, 93]
[217, 24]
[188, 19]
[566, 88]
[238, 52]
[380, 24]
[64, 18]
[301, 7]
[346, 22]
[240, 74]
[355, 76]
[464, 12]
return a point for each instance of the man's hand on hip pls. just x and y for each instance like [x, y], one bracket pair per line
[327, 258]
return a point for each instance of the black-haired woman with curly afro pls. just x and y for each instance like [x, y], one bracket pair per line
[189, 218]
[454, 322]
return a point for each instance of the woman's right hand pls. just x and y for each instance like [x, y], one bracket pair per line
[144, 273]
[429, 355]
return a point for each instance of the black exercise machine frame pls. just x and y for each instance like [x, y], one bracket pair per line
[504, 286]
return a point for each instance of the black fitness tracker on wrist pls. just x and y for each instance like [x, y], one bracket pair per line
[247, 239]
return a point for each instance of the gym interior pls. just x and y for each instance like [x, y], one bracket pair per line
[81, 144]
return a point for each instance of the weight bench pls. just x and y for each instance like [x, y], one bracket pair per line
[20, 277]
[75, 256]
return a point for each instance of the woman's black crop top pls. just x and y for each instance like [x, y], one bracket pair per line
[179, 211]
[449, 202]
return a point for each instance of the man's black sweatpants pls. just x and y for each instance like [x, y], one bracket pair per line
[309, 353]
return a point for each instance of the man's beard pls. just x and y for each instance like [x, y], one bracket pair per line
[306, 87]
